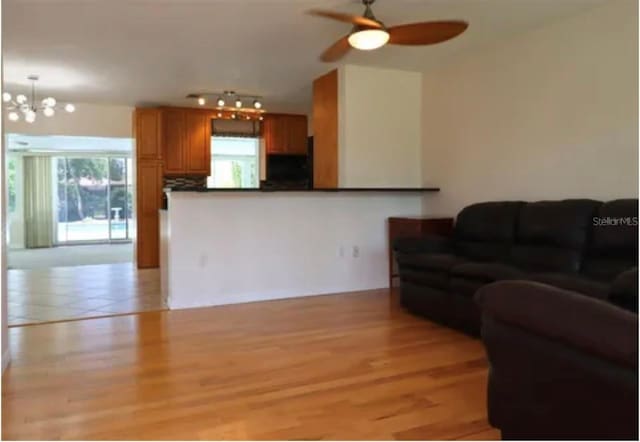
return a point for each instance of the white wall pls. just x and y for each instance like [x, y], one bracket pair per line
[379, 121]
[547, 115]
[237, 247]
[95, 120]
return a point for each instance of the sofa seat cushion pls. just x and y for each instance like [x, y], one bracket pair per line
[467, 278]
[575, 283]
[434, 261]
[424, 277]
[486, 271]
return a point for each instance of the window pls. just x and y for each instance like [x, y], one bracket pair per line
[234, 162]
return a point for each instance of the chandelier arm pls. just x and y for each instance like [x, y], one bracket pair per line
[33, 95]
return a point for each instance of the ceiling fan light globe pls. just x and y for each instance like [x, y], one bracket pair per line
[21, 99]
[70, 107]
[14, 116]
[48, 112]
[368, 39]
[6, 97]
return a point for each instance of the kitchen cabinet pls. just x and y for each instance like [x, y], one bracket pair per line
[147, 133]
[285, 134]
[169, 141]
[186, 141]
[325, 131]
[173, 127]
[149, 202]
[197, 146]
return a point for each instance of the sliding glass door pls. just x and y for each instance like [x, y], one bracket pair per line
[93, 199]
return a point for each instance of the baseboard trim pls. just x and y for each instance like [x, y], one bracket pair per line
[6, 359]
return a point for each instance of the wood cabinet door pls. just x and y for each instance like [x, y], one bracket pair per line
[296, 126]
[148, 134]
[149, 201]
[173, 142]
[325, 131]
[272, 133]
[198, 142]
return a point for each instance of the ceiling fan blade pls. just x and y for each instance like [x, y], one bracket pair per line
[336, 51]
[347, 18]
[426, 33]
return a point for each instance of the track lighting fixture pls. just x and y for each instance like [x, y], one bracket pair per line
[230, 104]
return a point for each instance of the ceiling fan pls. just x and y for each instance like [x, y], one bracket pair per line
[370, 33]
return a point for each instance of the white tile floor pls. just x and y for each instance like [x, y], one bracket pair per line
[61, 293]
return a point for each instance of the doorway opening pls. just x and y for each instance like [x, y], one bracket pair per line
[71, 227]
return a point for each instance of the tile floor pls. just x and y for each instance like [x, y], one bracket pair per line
[60, 293]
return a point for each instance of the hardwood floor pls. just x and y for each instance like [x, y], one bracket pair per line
[348, 366]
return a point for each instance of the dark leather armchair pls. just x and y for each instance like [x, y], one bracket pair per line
[562, 365]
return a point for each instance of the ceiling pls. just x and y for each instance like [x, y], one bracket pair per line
[139, 52]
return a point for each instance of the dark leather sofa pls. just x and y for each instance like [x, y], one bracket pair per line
[580, 245]
[562, 365]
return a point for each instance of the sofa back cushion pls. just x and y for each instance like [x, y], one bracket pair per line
[552, 235]
[613, 245]
[485, 231]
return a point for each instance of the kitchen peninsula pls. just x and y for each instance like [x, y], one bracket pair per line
[232, 246]
[323, 231]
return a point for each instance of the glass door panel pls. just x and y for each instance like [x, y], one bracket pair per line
[118, 197]
[83, 199]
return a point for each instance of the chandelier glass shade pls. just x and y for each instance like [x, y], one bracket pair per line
[28, 108]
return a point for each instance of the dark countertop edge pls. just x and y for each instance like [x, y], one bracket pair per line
[332, 190]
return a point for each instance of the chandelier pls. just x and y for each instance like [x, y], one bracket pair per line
[231, 105]
[29, 108]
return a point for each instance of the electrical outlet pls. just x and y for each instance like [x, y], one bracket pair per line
[356, 251]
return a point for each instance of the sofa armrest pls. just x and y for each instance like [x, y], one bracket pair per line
[591, 325]
[423, 244]
[624, 290]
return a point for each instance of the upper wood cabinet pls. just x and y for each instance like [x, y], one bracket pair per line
[173, 140]
[325, 131]
[198, 142]
[285, 134]
[186, 141]
[147, 126]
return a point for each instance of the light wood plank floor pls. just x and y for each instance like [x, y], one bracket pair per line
[348, 366]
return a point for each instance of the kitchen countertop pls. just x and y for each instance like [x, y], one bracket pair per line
[348, 189]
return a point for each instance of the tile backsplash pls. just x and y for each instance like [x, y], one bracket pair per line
[179, 182]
